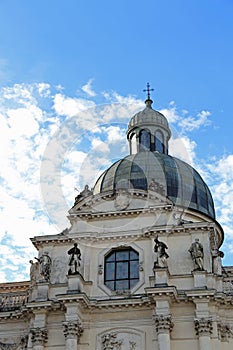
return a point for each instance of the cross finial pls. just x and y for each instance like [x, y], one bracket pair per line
[148, 90]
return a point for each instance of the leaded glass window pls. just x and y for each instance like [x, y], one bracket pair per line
[144, 140]
[159, 142]
[121, 269]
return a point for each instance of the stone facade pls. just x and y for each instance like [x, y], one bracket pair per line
[116, 297]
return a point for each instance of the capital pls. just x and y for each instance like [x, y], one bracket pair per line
[203, 326]
[163, 323]
[72, 329]
[39, 336]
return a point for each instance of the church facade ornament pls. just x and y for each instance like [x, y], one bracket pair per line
[203, 326]
[161, 254]
[122, 199]
[39, 336]
[163, 323]
[110, 342]
[12, 346]
[225, 332]
[72, 330]
[197, 255]
[74, 260]
[45, 266]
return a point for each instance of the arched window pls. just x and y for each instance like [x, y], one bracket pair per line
[121, 269]
[144, 140]
[159, 142]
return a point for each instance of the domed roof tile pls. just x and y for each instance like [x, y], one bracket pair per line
[181, 183]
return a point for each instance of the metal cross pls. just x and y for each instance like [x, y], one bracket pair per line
[148, 90]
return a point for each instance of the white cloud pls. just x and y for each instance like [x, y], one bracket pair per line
[44, 89]
[184, 148]
[171, 113]
[87, 88]
[192, 123]
[100, 146]
[115, 134]
[70, 107]
[23, 122]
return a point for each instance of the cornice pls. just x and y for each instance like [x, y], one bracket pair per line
[118, 213]
[107, 304]
[146, 232]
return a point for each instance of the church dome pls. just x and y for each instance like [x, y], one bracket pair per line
[168, 175]
[149, 167]
[148, 116]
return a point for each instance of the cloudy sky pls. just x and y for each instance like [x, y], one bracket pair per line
[71, 76]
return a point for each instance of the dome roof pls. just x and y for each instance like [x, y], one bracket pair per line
[168, 175]
[148, 116]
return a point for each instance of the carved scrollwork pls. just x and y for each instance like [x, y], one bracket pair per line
[22, 343]
[72, 329]
[203, 326]
[225, 332]
[12, 346]
[110, 342]
[163, 323]
[39, 336]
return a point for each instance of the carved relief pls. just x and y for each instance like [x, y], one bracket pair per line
[72, 329]
[203, 326]
[121, 340]
[157, 187]
[12, 346]
[24, 341]
[39, 336]
[163, 323]
[122, 199]
[225, 332]
[110, 342]
[20, 344]
[132, 345]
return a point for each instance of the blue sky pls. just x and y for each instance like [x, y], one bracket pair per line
[63, 64]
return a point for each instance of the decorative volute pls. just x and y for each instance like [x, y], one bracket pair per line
[148, 130]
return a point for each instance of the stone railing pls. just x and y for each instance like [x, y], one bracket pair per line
[12, 301]
[228, 287]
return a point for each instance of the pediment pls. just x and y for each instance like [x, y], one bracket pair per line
[120, 201]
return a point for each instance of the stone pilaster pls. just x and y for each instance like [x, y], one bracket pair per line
[72, 332]
[204, 329]
[39, 337]
[163, 325]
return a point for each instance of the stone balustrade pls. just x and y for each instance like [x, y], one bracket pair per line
[12, 302]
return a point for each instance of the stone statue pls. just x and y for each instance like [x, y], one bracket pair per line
[75, 259]
[217, 261]
[161, 254]
[196, 251]
[45, 265]
[34, 269]
[85, 193]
